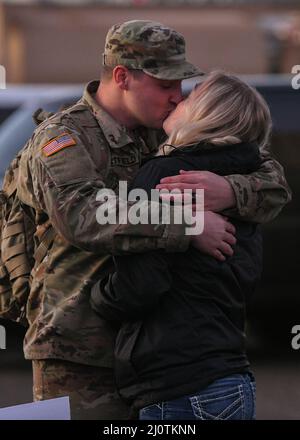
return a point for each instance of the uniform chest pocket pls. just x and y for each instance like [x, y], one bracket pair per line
[123, 167]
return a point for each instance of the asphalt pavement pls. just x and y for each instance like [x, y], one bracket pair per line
[278, 384]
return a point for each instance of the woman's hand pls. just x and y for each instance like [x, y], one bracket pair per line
[218, 193]
[217, 238]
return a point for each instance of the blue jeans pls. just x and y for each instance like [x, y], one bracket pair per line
[229, 398]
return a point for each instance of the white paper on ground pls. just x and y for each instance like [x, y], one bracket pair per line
[53, 409]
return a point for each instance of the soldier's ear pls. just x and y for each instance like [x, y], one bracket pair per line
[121, 77]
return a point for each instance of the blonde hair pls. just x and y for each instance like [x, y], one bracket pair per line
[222, 110]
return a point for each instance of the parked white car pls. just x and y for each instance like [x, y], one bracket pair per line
[17, 105]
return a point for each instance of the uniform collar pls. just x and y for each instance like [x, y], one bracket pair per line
[116, 135]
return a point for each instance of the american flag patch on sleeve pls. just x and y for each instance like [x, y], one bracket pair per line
[62, 141]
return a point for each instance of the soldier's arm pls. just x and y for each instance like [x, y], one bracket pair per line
[66, 184]
[260, 196]
[257, 197]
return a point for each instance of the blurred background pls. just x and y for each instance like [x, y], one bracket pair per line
[51, 48]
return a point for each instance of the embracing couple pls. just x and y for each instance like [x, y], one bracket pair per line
[142, 320]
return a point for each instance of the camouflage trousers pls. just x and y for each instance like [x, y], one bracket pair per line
[92, 391]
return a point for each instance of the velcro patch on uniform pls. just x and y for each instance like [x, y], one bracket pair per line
[59, 143]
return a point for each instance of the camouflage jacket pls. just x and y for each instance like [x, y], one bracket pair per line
[69, 158]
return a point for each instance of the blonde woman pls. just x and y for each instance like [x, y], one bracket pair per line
[180, 352]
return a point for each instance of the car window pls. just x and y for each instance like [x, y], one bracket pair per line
[5, 112]
[19, 126]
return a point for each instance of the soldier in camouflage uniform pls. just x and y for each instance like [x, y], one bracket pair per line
[93, 145]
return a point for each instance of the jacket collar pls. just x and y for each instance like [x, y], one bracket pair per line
[116, 135]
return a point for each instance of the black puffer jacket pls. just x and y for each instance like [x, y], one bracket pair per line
[182, 314]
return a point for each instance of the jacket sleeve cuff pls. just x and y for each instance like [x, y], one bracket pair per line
[175, 238]
[246, 197]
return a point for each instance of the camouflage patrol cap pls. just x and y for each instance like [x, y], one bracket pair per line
[149, 46]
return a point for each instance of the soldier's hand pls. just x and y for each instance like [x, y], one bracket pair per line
[218, 193]
[217, 238]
